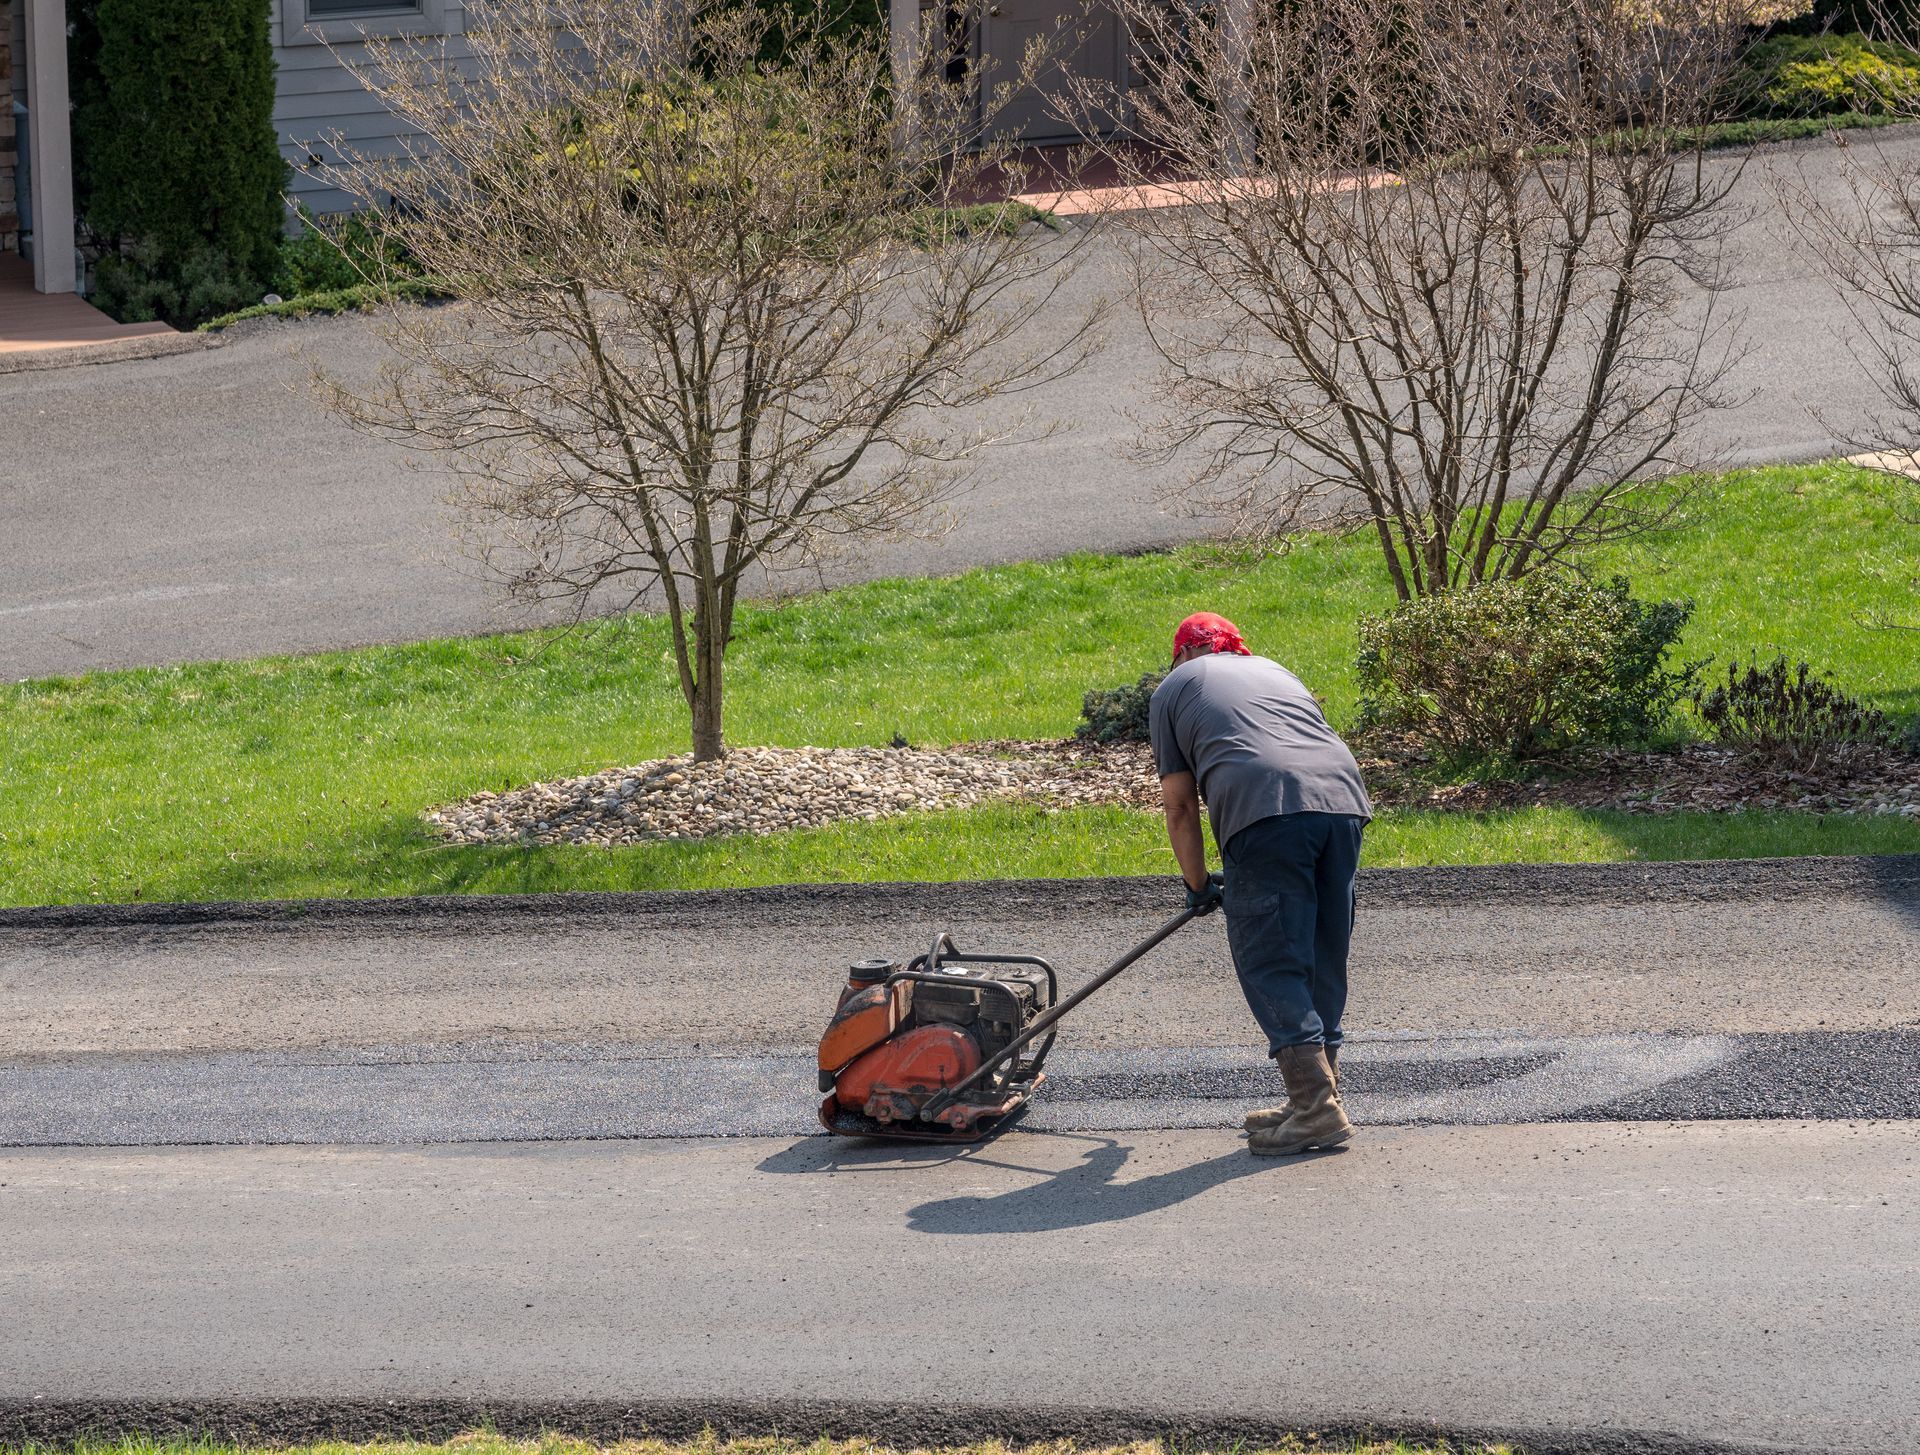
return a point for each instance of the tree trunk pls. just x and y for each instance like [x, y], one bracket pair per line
[708, 741]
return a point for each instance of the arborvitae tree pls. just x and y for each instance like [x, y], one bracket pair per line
[180, 169]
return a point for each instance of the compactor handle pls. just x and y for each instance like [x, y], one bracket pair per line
[1044, 1023]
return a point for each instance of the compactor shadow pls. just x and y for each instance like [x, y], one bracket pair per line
[816, 1153]
[1080, 1196]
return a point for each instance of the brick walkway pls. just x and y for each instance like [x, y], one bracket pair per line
[1069, 182]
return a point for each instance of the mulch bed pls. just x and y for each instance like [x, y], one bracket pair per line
[1697, 778]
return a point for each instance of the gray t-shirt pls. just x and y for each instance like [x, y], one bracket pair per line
[1254, 739]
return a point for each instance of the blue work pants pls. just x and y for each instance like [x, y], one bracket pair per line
[1289, 907]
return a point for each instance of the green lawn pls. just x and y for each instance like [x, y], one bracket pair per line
[296, 776]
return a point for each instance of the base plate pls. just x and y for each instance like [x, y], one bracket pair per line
[843, 1123]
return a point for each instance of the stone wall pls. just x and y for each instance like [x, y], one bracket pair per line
[9, 151]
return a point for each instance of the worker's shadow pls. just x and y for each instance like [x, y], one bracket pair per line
[1079, 1196]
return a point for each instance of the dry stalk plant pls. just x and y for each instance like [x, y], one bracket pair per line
[1451, 268]
[717, 312]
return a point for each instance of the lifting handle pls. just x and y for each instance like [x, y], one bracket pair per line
[1042, 1024]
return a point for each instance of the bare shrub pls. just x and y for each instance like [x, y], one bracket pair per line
[1450, 270]
[723, 308]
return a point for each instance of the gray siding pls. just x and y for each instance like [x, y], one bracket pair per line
[318, 98]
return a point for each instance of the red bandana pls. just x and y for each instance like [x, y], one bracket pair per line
[1215, 633]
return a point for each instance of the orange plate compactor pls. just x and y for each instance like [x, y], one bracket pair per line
[948, 1045]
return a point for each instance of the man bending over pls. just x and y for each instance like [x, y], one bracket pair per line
[1288, 807]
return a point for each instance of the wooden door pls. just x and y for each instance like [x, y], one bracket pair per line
[1080, 41]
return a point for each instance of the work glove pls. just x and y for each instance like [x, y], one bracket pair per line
[1206, 899]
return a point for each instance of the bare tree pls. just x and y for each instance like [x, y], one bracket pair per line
[1450, 267]
[720, 311]
[1857, 208]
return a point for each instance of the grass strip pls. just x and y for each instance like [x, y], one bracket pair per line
[294, 776]
[1759, 130]
[1004, 842]
[482, 1442]
[1715, 136]
[930, 227]
[924, 229]
[358, 298]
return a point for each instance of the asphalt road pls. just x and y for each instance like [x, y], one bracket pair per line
[1730, 1283]
[204, 505]
[1637, 1171]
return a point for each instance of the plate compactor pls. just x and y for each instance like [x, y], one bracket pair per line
[949, 1045]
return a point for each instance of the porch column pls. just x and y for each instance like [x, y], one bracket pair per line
[1236, 60]
[51, 145]
[9, 142]
[904, 37]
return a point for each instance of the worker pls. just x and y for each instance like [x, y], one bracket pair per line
[1288, 806]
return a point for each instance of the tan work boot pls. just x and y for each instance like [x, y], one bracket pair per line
[1317, 1118]
[1267, 1116]
[1272, 1116]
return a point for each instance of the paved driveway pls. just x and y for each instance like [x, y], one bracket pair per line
[205, 505]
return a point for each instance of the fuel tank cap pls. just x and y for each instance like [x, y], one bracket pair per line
[869, 972]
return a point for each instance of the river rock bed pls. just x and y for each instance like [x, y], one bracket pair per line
[767, 790]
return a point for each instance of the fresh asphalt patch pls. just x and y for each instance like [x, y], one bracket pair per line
[510, 1092]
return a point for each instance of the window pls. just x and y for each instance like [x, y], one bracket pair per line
[317, 22]
[329, 9]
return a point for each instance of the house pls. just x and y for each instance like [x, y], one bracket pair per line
[1085, 38]
[36, 163]
[318, 96]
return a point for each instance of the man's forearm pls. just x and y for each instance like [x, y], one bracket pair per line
[1189, 848]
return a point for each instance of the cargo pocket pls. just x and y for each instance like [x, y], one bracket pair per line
[1252, 919]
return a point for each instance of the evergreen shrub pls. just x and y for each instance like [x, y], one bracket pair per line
[179, 174]
[1847, 17]
[1522, 669]
[1793, 76]
[332, 254]
[1118, 714]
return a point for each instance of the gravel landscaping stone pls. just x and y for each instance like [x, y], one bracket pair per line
[768, 790]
